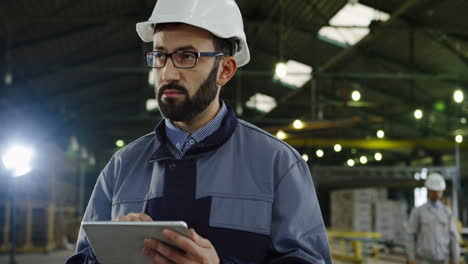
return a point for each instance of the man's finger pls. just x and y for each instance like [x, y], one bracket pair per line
[141, 216]
[183, 242]
[155, 257]
[166, 251]
[132, 218]
[146, 217]
[135, 217]
[199, 240]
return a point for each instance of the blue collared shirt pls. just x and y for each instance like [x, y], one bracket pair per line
[435, 204]
[183, 140]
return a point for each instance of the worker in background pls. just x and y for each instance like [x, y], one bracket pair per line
[432, 236]
[247, 196]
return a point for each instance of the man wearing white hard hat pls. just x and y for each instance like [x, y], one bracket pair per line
[247, 196]
[432, 235]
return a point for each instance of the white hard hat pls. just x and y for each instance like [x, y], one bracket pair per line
[220, 17]
[435, 182]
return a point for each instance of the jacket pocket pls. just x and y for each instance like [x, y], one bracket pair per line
[246, 214]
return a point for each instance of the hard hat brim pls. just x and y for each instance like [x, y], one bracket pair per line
[145, 32]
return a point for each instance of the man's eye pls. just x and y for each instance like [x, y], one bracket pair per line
[188, 56]
[158, 55]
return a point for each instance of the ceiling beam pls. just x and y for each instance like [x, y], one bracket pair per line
[382, 144]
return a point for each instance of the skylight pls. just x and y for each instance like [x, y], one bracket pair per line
[261, 102]
[350, 15]
[293, 73]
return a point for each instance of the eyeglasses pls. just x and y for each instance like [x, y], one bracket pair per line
[181, 59]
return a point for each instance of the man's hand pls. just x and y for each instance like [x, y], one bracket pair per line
[134, 217]
[198, 249]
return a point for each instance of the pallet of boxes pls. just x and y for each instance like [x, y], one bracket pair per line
[369, 210]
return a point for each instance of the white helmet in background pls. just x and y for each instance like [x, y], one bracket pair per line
[220, 17]
[435, 182]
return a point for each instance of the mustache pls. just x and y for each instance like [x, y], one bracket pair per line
[172, 86]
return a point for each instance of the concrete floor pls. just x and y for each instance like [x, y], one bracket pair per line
[57, 257]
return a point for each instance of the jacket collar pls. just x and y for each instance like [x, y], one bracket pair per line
[211, 142]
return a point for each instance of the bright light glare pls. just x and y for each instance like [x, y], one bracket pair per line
[418, 114]
[378, 156]
[458, 96]
[298, 124]
[120, 143]
[261, 102]
[319, 153]
[420, 196]
[293, 73]
[350, 162]
[459, 138]
[17, 159]
[337, 147]
[305, 157]
[281, 70]
[151, 77]
[380, 134]
[352, 15]
[151, 104]
[281, 135]
[363, 159]
[356, 96]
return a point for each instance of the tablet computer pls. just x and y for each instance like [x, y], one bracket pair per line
[122, 242]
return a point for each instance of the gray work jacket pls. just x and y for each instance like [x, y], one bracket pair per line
[260, 178]
[432, 234]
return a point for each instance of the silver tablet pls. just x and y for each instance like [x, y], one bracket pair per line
[122, 242]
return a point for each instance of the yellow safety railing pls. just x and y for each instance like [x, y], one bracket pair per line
[37, 219]
[348, 246]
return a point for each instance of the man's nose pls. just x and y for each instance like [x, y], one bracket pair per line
[170, 73]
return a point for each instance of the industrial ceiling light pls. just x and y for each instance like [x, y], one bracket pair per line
[298, 124]
[380, 133]
[151, 104]
[120, 143]
[418, 113]
[337, 147]
[151, 77]
[261, 102]
[350, 163]
[17, 159]
[305, 157]
[458, 96]
[319, 153]
[356, 96]
[281, 70]
[293, 73]
[341, 29]
[363, 159]
[459, 139]
[378, 156]
[281, 135]
[8, 78]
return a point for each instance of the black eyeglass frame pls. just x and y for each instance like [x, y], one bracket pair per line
[167, 55]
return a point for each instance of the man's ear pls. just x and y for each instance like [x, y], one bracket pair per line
[227, 69]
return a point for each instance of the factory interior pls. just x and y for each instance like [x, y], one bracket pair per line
[370, 93]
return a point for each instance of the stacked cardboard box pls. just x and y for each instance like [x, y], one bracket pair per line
[368, 210]
[384, 219]
[352, 209]
[390, 217]
[400, 211]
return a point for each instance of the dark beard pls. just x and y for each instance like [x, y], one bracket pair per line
[190, 107]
